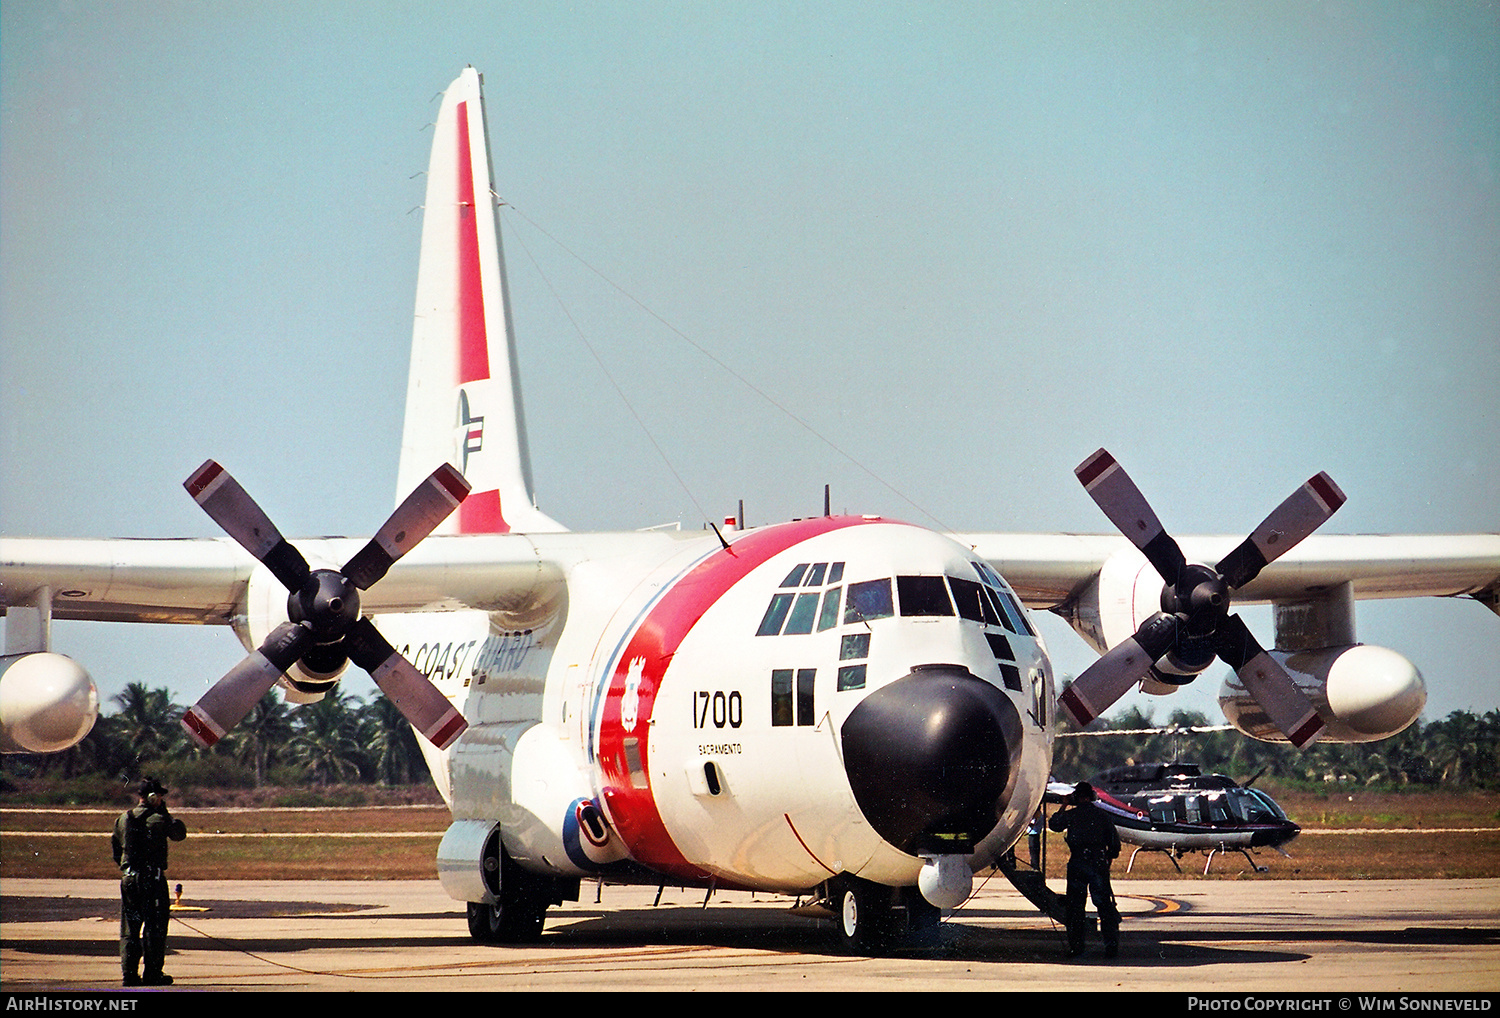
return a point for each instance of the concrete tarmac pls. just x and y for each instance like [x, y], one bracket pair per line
[1179, 936]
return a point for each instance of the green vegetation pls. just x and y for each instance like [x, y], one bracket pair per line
[1460, 752]
[328, 750]
[341, 751]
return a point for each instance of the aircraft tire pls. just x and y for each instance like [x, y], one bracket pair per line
[864, 915]
[922, 917]
[518, 921]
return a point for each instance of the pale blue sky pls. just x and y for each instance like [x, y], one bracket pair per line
[966, 243]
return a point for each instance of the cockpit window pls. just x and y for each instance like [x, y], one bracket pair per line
[803, 613]
[794, 578]
[969, 600]
[868, 600]
[775, 615]
[923, 596]
[829, 616]
[1012, 615]
[815, 575]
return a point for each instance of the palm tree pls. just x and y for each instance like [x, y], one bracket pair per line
[326, 739]
[388, 737]
[147, 723]
[259, 739]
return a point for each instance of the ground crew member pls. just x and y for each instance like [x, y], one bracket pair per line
[140, 847]
[1093, 843]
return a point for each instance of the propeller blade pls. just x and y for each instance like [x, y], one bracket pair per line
[430, 504]
[1286, 705]
[413, 693]
[1114, 492]
[232, 508]
[1307, 509]
[1110, 677]
[236, 694]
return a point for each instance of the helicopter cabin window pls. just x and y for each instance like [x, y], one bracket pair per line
[923, 596]
[1258, 806]
[868, 600]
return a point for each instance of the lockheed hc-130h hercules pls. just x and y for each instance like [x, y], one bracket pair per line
[848, 707]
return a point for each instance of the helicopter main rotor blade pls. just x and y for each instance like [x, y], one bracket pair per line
[235, 695]
[1304, 511]
[1125, 664]
[232, 508]
[413, 693]
[427, 506]
[1114, 492]
[1285, 704]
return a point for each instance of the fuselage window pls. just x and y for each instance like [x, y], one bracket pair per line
[854, 646]
[923, 596]
[868, 600]
[851, 677]
[781, 697]
[805, 677]
[783, 701]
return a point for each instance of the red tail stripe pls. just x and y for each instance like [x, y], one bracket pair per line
[473, 346]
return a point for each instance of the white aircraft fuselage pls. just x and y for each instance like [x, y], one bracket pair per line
[700, 698]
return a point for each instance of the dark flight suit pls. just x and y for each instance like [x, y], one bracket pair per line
[1093, 844]
[140, 847]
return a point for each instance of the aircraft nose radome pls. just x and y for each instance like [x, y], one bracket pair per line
[929, 757]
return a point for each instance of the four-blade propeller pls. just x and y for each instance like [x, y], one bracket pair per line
[1195, 624]
[326, 628]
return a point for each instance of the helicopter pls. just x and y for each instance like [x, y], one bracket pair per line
[1174, 808]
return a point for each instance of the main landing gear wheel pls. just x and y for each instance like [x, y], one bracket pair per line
[866, 920]
[518, 916]
[511, 922]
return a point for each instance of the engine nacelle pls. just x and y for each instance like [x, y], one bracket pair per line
[265, 609]
[1125, 593]
[1364, 693]
[48, 703]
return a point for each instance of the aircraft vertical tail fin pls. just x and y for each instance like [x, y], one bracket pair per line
[463, 400]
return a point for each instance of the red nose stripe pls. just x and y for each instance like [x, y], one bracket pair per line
[624, 755]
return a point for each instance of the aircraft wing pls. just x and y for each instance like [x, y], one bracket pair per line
[1050, 570]
[204, 581]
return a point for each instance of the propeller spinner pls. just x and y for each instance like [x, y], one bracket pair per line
[326, 627]
[1195, 624]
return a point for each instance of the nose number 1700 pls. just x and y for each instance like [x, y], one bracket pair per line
[718, 708]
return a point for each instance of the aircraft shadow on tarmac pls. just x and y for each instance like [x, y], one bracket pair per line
[766, 929]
